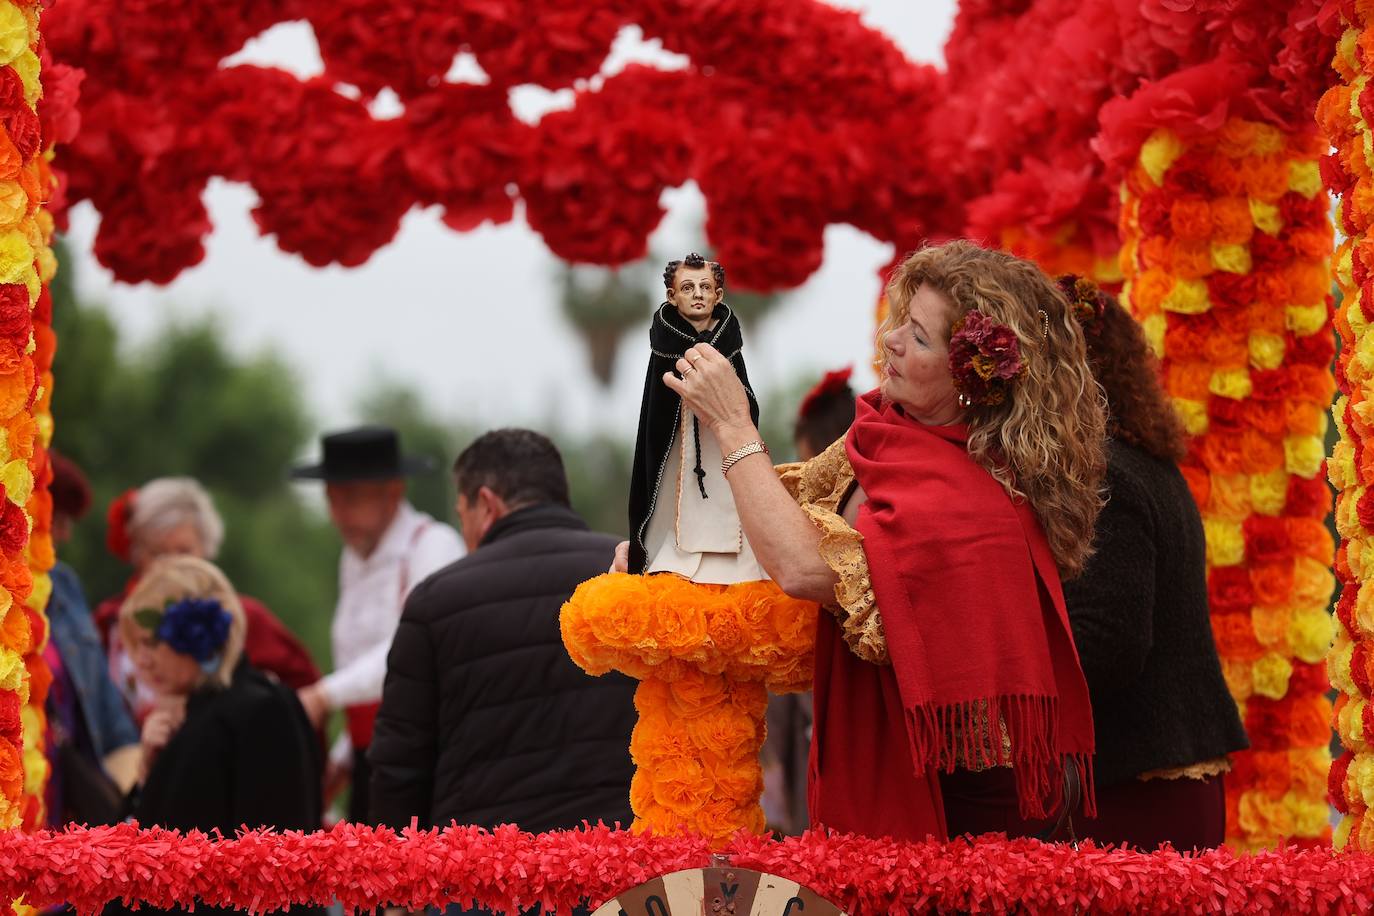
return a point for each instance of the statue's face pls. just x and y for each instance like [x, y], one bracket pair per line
[695, 294]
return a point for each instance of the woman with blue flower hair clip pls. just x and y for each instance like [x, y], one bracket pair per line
[226, 746]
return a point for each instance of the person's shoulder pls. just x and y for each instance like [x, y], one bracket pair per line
[462, 582]
[1131, 466]
[438, 535]
[254, 697]
[1140, 483]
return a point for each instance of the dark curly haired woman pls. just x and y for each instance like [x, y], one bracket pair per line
[1164, 719]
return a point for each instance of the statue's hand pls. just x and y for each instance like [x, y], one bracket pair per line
[621, 563]
[709, 386]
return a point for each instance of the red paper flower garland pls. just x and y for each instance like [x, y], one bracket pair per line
[800, 97]
[507, 871]
[1226, 240]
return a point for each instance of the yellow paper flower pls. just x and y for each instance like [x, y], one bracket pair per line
[26, 65]
[16, 254]
[1225, 542]
[1266, 350]
[1271, 674]
[1232, 259]
[1266, 216]
[13, 674]
[1350, 725]
[1154, 326]
[1309, 814]
[38, 598]
[1159, 152]
[1269, 492]
[1305, 177]
[1338, 665]
[1305, 320]
[14, 32]
[1342, 834]
[1303, 455]
[1231, 383]
[1310, 635]
[18, 481]
[1187, 297]
[1194, 417]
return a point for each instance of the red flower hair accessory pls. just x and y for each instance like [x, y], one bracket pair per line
[117, 539]
[833, 382]
[1086, 300]
[984, 358]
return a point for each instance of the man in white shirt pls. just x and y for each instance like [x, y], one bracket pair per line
[389, 548]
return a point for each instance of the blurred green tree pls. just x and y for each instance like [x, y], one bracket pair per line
[185, 405]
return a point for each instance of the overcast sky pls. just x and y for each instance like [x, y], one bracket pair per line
[473, 318]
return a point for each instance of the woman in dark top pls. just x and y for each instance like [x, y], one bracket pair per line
[225, 746]
[1164, 719]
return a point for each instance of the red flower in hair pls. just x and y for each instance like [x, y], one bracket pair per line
[117, 539]
[833, 382]
[1087, 302]
[984, 358]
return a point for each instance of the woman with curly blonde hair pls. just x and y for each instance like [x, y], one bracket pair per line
[948, 695]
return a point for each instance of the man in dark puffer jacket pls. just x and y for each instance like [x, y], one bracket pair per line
[484, 718]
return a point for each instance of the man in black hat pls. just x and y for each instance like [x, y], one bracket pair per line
[389, 548]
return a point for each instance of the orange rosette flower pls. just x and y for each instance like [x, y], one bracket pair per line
[680, 785]
[725, 731]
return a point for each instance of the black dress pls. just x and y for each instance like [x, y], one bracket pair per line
[245, 755]
[1140, 622]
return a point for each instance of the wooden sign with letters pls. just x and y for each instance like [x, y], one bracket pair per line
[718, 892]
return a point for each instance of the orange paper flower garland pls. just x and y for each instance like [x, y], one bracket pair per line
[1349, 172]
[1226, 243]
[706, 657]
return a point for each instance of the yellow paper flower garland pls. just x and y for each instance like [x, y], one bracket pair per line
[706, 657]
[1226, 242]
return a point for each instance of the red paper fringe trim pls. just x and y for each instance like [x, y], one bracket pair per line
[505, 869]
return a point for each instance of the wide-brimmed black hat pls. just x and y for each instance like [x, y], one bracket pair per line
[365, 453]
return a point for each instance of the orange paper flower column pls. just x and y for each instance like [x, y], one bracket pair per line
[1349, 172]
[706, 657]
[1226, 247]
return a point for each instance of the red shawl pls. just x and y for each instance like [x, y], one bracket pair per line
[974, 618]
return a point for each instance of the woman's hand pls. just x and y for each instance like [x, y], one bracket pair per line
[162, 723]
[710, 387]
[621, 563]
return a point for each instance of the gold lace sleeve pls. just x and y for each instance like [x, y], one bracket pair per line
[818, 486]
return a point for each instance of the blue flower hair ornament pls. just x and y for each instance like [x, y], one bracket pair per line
[198, 627]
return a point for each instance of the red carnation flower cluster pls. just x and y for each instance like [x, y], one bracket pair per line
[508, 871]
[984, 357]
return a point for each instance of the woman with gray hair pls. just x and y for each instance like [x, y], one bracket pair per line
[176, 516]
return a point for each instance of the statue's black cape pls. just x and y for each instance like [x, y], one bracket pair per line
[669, 337]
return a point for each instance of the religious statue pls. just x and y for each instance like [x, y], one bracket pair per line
[712, 636]
[682, 514]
